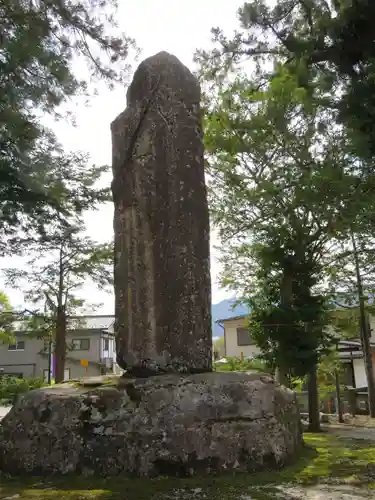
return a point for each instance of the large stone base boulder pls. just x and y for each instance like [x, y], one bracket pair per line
[164, 425]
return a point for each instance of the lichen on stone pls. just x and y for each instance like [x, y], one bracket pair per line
[186, 425]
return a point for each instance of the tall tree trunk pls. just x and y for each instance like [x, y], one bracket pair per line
[365, 333]
[282, 377]
[286, 293]
[313, 400]
[338, 398]
[60, 350]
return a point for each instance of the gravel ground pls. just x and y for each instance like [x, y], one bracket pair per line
[349, 432]
[322, 492]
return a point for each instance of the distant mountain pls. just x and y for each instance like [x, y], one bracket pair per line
[223, 310]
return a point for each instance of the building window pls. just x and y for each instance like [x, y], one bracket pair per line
[244, 337]
[105, 344]
[18, 346]
[80, 344]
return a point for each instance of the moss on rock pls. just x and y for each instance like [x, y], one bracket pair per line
[170, 424]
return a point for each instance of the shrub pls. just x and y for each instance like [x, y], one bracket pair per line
[12, 387]
[236, 365]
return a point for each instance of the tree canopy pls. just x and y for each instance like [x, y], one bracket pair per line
[7, 316]
[40, 43]
[291, 172]
[317, 42]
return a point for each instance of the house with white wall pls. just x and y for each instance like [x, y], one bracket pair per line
[351, 355]
[238, 343]
[237, 337]
[90, 350]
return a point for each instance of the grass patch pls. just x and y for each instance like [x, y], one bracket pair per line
[326, 459]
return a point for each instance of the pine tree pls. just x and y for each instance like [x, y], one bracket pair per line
[52, 280]
[40, 42]
[284, 189]
[318, 43]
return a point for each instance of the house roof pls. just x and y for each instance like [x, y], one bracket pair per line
[241, 316]
[93, 322]
[86, 322]
[349, 356]
[352, 346]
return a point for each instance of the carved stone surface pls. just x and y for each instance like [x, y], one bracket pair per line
[162, 425]
[162, 270]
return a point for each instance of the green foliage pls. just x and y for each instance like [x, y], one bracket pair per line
[326, 373]
[52, 281]
[288, 322]
[12, 387]
[7, 316]
[274, 199]
[235, 364]
[317, 44]
[286, 190]
[346, 322]
[341, 275]
[40, 43]
[55, 272]
[298, 384]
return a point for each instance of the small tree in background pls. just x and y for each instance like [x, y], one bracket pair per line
[7, 315]
[53, 279]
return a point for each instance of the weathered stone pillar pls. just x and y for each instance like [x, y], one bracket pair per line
[162, 270]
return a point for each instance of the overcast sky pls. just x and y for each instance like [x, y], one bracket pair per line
[175, 26]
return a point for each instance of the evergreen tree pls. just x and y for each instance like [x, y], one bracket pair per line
[328, 46]
[40, 42]
[283, 170]
[284, 190]
[52, 279]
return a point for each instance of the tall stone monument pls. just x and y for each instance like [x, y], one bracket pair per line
[161, 224]
[181, 423]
